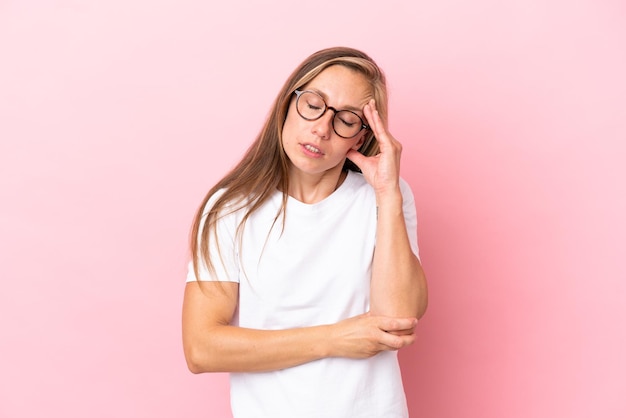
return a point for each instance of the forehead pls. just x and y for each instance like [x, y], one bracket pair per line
[342, 87]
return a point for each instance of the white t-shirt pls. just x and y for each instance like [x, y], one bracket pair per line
[316, 271]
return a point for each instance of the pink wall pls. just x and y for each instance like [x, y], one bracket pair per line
[116, 116]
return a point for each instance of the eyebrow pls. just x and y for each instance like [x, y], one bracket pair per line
[325, 97]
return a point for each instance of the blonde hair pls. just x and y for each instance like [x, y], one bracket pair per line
[264, 167]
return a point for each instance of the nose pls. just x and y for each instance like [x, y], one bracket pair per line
[323, 126]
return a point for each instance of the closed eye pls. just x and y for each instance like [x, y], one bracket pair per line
[348, 124]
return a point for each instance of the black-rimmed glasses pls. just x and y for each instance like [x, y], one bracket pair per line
[311, 106]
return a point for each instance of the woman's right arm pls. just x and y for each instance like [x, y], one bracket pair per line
[212, 344]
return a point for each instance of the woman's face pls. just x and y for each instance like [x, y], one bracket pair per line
[313, 147]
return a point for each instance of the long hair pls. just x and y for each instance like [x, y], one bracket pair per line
[264, 167]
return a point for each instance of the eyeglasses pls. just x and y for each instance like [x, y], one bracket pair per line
[311, 106]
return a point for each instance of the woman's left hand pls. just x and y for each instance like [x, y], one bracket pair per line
[382, 171]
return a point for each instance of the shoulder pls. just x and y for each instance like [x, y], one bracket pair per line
[356, 181]
[213, 198]
[232, 205]
[406, 190]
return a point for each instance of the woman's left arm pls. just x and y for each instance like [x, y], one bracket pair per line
[398, 286]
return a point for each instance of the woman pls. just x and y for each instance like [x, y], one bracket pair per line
[305, 278]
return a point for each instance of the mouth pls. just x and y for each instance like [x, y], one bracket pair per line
[312, 149]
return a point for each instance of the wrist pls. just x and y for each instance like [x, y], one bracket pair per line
[389, 197]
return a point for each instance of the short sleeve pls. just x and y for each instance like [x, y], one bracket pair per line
[410, 215]
[226, 260]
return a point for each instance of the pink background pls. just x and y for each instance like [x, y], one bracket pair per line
[116, 116]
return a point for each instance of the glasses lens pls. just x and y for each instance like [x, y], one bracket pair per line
[310, 105]
[347, 124]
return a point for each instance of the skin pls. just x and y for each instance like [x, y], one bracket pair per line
[398, 286]
[314, 176]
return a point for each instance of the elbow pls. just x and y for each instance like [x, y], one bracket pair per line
[194, 363]
[422, 304]
[204, 352]
[195, 367]
[198, 361]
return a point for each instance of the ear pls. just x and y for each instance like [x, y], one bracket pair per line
[360, 142]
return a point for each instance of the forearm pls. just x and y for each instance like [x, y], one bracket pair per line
[226, 348]
[398, 286]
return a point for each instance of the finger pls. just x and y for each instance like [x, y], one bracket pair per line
[375, 121]
[397, 324]
[396, 342]
[403, 332]
[357, 158]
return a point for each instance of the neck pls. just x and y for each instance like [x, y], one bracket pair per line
[312, 189]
